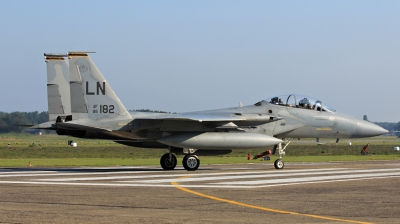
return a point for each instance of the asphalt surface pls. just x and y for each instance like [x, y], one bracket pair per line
[345, 192]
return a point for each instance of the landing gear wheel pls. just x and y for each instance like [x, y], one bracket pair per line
[166, 163]
[191, 162]
[279, 164]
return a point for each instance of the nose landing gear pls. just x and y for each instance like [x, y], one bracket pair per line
[279, 164]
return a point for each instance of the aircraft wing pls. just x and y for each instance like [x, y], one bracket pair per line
[214, 117]
[225, 121]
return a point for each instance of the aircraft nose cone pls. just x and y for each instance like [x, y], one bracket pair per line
[368, 129]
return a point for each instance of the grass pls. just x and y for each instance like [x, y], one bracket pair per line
[82, 162]
[18, 150]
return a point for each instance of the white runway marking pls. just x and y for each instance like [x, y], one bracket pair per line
[177, 175]
[212, 179]
[272, 175]
[59, 173]
[311, 179]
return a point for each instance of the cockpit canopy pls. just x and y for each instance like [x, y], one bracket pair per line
[299, 101]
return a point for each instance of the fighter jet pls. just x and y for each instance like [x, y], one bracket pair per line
[82, 104]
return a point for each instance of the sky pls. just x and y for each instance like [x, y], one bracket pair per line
[181, 56]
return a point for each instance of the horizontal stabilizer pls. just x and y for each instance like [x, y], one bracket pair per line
[23, 125]
[46, 125]
[72, 126]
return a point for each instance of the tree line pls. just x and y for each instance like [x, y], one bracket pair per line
[13, 122]
[393, 128]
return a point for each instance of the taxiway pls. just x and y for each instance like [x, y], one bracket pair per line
[345, 192]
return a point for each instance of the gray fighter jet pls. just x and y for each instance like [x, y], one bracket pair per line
[82, 104]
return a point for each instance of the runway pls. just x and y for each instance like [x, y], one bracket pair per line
[346, 192]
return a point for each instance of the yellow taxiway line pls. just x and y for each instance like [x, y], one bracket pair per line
[262, 208]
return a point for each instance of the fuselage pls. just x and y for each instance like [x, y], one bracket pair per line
[293, 122]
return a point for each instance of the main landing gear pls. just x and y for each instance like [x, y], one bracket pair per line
[279, 164]
[168, 161]
[190, 162]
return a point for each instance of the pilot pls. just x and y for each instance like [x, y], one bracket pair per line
[274, 100]
[305, 103]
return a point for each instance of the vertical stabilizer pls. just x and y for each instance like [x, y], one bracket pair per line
[79, 104]
[58, 90]
[91, 95]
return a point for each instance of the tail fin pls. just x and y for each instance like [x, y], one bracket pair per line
[90, 92]
[79, 104]
[58, 90]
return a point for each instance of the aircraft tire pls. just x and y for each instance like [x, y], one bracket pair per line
[191, 162]
[167, 164]
[279, 164]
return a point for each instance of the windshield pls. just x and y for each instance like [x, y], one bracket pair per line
[299, 101]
